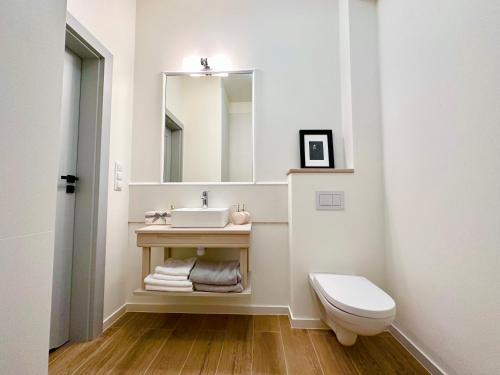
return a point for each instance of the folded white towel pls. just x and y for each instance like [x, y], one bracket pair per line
[176, 267]
[168, 288]
[149, 280]
[160, 276]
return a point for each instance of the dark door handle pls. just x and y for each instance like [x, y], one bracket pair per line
[70, 179]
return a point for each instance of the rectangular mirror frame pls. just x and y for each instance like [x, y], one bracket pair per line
[164, 76]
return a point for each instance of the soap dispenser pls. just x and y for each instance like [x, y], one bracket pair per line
[247, 214]
[238, 217]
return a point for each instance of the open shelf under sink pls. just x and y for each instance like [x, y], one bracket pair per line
[246, 292]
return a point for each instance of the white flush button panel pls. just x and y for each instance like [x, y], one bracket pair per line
[118, 176]
[329, 200]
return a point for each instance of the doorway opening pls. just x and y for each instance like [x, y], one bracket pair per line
[82, 189]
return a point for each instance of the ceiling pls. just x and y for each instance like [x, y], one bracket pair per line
[238, 87]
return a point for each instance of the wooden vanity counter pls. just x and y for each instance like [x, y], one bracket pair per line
[231, 237]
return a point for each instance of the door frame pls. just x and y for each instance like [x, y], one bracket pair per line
[176, 128]
[89, 243]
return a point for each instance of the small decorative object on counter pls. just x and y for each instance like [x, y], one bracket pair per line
[247, 214]
[157, 217]
[239, 217]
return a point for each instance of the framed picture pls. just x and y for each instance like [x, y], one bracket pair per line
[316, 149]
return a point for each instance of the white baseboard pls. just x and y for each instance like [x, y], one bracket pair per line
[305, 323]
[419, 355]
[302, 323]
[108, 322]
[207, 309]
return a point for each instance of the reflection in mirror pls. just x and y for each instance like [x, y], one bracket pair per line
[208, 128]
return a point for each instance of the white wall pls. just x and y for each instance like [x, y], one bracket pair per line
[441, 107]
[240, 142]
[293, 44]
[201, 150]
[196, 102]
[269, 254]
[349, 241]
[174, 91]
[345, 242]
[112, 22]
[224, 135]
[289, 96]
[288, 42]
[32, 45]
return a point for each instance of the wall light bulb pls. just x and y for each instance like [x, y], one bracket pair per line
[191, 63]
[220, 62]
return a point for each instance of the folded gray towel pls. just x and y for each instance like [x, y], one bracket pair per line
[216, 273]
[238, 288]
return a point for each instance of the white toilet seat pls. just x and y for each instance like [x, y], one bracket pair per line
[352, 305]
[355, 295]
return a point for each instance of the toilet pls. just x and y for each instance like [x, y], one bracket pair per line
[352, 305]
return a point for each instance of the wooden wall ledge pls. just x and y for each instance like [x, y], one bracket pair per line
[320, 170]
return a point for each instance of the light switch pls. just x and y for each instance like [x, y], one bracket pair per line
[118, 176]
[329, 200]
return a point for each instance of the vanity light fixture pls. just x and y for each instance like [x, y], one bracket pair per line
[204, 63]
[207, 70]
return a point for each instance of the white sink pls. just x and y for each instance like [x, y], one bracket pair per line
[200, 217]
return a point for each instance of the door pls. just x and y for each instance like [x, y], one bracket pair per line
[176, 156]
[65, 206]
[172, 149]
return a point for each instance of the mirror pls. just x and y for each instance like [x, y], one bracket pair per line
[208, 127]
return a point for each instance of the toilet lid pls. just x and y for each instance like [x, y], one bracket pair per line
[355, 295]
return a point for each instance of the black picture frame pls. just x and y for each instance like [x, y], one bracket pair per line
[329, 135]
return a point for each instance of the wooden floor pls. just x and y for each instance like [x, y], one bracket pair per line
[143, 343]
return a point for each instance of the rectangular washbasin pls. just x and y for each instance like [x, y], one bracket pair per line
[200, 217]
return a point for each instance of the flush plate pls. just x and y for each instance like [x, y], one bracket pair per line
[329, 200]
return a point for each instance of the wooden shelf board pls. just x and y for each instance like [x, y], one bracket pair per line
[140, 291]
[320, 170]
[168, 229]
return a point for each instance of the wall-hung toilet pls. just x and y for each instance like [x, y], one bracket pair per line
[352, 305]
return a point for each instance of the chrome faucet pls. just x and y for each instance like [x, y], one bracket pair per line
[204, 199]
